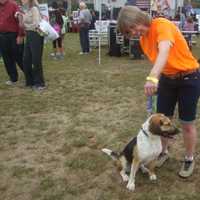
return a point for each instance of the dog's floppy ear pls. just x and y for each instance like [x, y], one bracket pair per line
[155, 124]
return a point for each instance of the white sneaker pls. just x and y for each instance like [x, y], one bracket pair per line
[81, 53]
[10, 83]
[187, 168]
[52, 54]
[38, 88]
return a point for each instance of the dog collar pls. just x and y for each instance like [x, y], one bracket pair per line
[144, 132]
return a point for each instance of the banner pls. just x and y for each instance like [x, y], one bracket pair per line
[44, 11]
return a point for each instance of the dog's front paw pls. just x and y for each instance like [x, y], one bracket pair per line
[124, 176]
[130, 186]
[153, 177]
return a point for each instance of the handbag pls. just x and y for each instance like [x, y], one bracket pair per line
[47, 30]
[57, 28]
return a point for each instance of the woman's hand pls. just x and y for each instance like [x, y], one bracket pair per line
[150, 88]
[19, 40]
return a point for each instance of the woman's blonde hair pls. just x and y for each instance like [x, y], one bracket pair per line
[130, 16]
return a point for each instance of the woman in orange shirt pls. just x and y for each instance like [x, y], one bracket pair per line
[174, 76]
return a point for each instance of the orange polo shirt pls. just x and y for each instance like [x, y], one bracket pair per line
[180, 58]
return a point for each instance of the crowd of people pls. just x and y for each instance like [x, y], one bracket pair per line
[18, 22]
[15, 24]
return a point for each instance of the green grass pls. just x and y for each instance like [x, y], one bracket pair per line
[50, 142]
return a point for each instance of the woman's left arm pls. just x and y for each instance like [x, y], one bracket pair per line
[36, 17]
[161, 60]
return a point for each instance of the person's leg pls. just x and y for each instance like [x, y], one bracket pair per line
[63, 44]
[190, 138]
[27, 62]
[37, 50]
[87, 42]
[81, 34]
[60, 49]
[188, 99]
[18, 51]
[7, 55]
[19, 58]
[53, 54]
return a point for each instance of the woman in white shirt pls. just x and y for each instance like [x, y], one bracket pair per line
[34, 45]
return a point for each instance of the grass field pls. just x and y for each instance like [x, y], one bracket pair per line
[50, 141]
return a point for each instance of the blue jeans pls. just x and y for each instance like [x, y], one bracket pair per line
[183, 90]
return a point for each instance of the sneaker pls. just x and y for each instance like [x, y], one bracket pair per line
[187, 168]
[10, 83]
[81, 53]
[162, 158]
[59, 57]
[38, 88]
[52, 54]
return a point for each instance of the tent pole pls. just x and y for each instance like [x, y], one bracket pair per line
[100, 20]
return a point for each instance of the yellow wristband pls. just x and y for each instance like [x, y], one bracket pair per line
[152, 79]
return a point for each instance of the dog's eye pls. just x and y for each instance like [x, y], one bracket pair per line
[161, 122]
[164, 122]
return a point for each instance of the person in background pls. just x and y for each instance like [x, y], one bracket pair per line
[64, 29]
[85, 19]
[94, 18]
[56, 21]
[34, 45]
[163, 8]
[11, 39]
[175, 75]
[65, 5]
[188, 9]
[189, 26]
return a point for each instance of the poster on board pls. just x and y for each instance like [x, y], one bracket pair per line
[44, 11]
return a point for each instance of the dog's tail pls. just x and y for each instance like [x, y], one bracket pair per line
[112, 154]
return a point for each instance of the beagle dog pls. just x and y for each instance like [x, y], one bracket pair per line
[143, 150]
